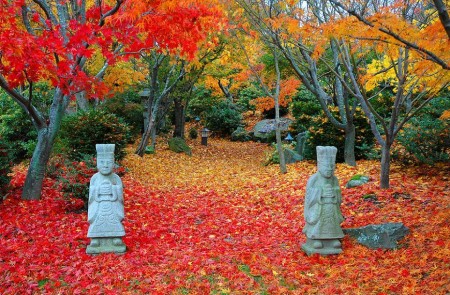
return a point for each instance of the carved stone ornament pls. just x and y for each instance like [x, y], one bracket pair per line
[322, 207]
[105, 211]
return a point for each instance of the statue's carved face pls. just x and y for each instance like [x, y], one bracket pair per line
[105, 165]
[326, 168]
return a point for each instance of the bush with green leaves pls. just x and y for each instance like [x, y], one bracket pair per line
[83, 130]
[426, 138]
[310, 117]
[322, 132]
[5, 168]
[304, 106]
[201, 103]
[127, 106]
[16, 129]
[223, 118]
[246, 95]
[193, 133]
[18, 133]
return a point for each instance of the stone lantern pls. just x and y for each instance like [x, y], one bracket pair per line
[205, 134]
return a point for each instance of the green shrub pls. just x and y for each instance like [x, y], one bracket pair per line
[193, 133]
[247, 94]
[322, 132]
[127, 106]
[16, 127]
[18, 133]
[202, 102]
[83, 130]
[5, 168]
[426, 140]
[310, 116]
[304, 107]
[223, 118]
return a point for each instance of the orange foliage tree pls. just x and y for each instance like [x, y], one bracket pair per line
[413, 24]
[296, 28]
[229, 72]
[318, 39]
[407, 49]
[288, 87]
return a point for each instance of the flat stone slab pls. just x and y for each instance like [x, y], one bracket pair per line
[379, 236]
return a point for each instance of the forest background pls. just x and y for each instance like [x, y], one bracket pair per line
[369, 77]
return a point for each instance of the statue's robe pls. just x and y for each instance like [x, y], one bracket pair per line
[105, 211]
[322, 214]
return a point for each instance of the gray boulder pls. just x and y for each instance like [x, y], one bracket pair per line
[376, 236]
[264, 131]
[240, 134]
[357, 180]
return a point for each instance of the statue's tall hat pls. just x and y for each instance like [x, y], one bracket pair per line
[326, 154]
[105, 150]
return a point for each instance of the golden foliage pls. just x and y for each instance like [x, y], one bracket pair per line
[123, 75]
[445, 115]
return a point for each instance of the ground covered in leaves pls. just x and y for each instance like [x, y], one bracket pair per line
[219, 222]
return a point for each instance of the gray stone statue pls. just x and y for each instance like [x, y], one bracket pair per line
[322, 207]
[105, 211]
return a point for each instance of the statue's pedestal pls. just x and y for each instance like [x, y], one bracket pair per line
[106, 245]
[322, 247]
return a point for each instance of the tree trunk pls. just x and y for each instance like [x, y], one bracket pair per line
[153, 136]
[443, 15]
[385, 165]
[46, 138]
[36, 171]
[226, 90]
[82, 102]
[145, 138]
[179, 119]
[280, 150]
[349, 147]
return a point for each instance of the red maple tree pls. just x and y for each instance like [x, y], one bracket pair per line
[50, 41]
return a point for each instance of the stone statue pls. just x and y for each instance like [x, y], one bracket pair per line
[105, 211]
[322, 206]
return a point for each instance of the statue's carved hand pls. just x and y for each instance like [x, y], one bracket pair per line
[105, 188]
[327, 191]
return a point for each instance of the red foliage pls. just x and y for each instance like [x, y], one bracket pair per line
[219, 223]
[55, 51]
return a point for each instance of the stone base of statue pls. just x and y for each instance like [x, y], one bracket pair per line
[322, 246]
[106, 245]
